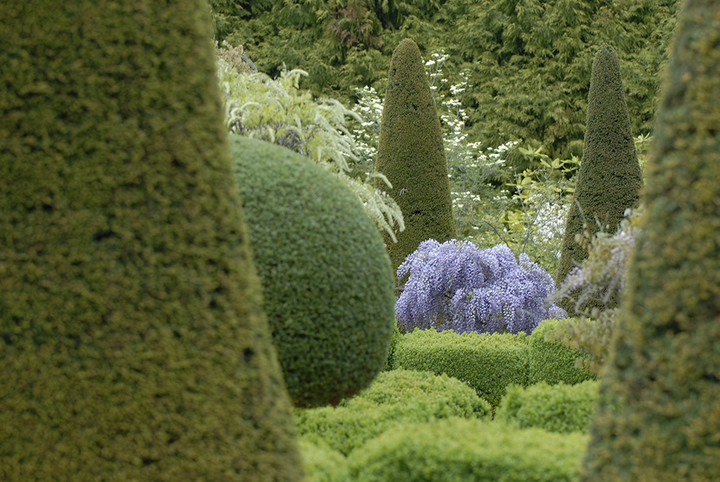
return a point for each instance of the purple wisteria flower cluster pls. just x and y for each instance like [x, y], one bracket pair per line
[458, 286]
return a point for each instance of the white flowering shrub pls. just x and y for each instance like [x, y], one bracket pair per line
[277, 111]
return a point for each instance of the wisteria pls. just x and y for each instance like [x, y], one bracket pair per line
[458, 286]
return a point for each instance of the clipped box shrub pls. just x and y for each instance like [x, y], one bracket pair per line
[328, 286]
[555, 408]
[457, 450]
[486, 362]
[322, 463]
[396, 397]
[549, 360]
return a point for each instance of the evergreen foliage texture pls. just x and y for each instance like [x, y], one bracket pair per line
[533, 63]
[659, 412]
[468, 450]
[609, 180]
[508, 48]
[395, 398]
[486, 362]
[458, 286]
[132, 344]
[412, 156]
[556, 408]
[327, 284]
[550, 361]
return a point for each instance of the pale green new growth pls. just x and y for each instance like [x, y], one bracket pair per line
[276, 110]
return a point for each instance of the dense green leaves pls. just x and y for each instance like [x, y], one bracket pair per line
[528, 61]
[609, 179]
[132, 343]
[663, 367]
[411, 155]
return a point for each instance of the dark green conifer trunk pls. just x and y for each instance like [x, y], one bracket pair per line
[132, 346]
[659, 417]
[610, 179]
[412, 156]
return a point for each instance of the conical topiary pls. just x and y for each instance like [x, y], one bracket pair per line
[132, 346]
[412, 156]
[610, 179]
[659, 415]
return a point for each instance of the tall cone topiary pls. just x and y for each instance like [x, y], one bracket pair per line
[610, 179]
[659, 415]
[412, 156]
[132, 346]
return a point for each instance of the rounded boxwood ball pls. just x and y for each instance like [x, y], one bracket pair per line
[328, 285]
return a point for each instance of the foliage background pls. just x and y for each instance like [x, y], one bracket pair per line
[528, 64]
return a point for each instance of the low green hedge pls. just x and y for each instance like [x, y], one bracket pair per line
[322, 464]
[486, 362]
[556, 408]
[458, 450]
[552, 362]
[394, 398]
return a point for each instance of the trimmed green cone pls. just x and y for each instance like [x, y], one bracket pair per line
[412, 156]
[132, 345]
[659, 415]
[610, 179]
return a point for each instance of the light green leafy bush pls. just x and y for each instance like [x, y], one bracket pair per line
[396, 397]
[459, 450]
[278, 111]
[486, 362]
[555, 408]
[551, 361]
[322, 463]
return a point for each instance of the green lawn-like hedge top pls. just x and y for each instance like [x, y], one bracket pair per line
[555, 408]
[395, 398]
[490, 362]
[328, 287]
[460, 450]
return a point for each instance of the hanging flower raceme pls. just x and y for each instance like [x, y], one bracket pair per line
[458, 286]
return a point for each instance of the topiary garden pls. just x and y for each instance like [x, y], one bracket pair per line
[265, 301]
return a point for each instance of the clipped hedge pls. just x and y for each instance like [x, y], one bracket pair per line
[555, 408]
[322, 464]
[328, 287]
[550, 360]
[394, 338]
[486, 362]
[396, 397]
[468, 450]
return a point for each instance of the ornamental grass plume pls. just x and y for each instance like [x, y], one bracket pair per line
[458, 286]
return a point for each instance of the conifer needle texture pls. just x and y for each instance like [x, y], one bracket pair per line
[659, 415]
[610, 179]
[132, 346]
[412, 156]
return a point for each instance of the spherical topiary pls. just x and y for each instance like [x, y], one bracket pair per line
[659, 412]
[610, 179]
[327, 283]
[132, 345]
[412, 156]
